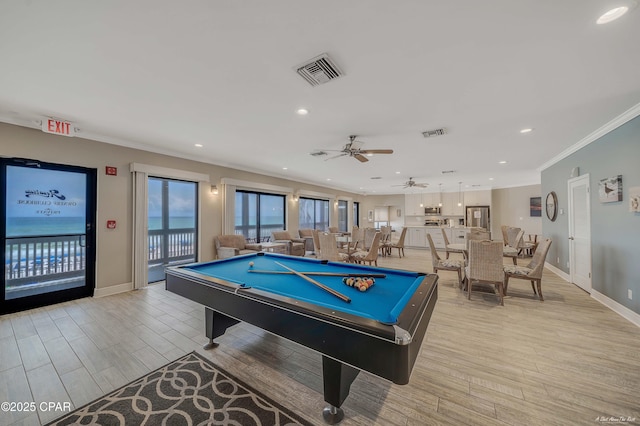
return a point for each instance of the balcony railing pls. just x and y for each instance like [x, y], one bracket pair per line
[28, 259]
[251, 235]
[172, 245]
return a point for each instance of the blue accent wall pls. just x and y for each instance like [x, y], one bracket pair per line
[615, 232]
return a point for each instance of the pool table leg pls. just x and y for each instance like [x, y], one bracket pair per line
[337, 379]
[215, 325]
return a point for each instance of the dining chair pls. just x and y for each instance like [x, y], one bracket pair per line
[385, 240]
[450, 248]
[400, 243]
[357, 238]
[505, 238]
[485, 265]
[511, 249]
[371, 256]
[329, 248]
[316, 242]
[446, 264]
[532, 272]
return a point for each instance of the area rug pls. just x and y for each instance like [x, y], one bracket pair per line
[188, 391]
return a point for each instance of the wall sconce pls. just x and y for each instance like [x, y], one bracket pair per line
[214, 189]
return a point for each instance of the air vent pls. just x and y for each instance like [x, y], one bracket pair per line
[434, 132]
[447, 172]
[317, 153]
[376, 177]
[319, 70]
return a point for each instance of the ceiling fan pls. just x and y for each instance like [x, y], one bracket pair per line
[353, 149]
[413, 184]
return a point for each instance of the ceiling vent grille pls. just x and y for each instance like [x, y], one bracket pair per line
[319, 70]
[435, 132]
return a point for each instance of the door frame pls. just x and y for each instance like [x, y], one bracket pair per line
[578, 181]
[53, 297]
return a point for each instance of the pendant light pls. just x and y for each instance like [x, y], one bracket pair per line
[440, 196]
[421, 200]
[459, 194]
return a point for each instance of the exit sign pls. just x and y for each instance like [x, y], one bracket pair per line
[58, 127]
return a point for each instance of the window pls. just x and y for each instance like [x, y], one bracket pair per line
[356, 213]
[343, 216]
[314, 214]
[258, 214]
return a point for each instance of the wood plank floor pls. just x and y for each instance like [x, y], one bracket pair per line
[565, 361]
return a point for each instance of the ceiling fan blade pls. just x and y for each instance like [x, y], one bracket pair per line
[335, 156]
[361, 158]
[376, 151]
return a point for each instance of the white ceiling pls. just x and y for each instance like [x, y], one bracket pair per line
[163, 75]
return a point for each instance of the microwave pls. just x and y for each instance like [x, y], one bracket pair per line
[432, 210]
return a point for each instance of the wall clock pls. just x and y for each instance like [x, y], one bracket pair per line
[552, 206]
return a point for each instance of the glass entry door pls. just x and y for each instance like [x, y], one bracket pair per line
[48, 232]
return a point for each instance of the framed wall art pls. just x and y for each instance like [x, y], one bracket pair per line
[610, 189]
[535, 206]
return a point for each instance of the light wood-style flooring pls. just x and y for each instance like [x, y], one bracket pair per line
[565, 361]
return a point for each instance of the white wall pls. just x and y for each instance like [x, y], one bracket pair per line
[510, 206]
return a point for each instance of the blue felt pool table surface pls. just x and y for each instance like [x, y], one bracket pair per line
[383, 302]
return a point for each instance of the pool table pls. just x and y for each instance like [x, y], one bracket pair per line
[379, 330]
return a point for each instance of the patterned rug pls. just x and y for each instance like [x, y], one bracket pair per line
[188, 391]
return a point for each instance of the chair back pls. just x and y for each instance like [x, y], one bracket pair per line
[400, 243]
[334, 230]
[357, 237]
[328, 247]
[372, 255]
[539, 256]
[369, 234]
[505, 237]
[280, 235]
[435, 258]
[514, 237]
[485, 261]
[477, 235]
[444, 235]
[316, 241]
[386, 234]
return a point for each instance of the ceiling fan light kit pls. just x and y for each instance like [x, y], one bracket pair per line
[352, 149]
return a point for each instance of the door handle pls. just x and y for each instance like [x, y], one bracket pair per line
[571, 238]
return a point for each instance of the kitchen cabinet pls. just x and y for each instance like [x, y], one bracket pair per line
[477, 198]
[412, 205]
[450, 204]
[436, 237]
[416, 237]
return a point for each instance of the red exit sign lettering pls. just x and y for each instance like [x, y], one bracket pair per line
[58, 127]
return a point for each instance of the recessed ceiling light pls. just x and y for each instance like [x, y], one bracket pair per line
[526, 130]
[302, 111]
[285, 168]
[397, 173]
[328, 178]
[490, 178]
[612, 15]
[198, 145]
[503, 162]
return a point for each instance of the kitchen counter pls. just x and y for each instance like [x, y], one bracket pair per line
[417, 235]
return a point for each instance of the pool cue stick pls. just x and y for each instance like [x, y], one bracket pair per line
[323, 274]
[316, 283]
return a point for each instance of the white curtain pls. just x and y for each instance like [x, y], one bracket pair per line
[140, 226]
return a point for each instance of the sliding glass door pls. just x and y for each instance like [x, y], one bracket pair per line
[172, 220]
[48, 230]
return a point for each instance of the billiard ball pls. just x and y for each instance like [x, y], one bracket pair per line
[250, 263]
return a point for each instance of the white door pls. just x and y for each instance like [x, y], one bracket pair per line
[580, 232]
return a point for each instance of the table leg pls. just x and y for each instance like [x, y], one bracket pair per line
[337, 379]
[215, 325]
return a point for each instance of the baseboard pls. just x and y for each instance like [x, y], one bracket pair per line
[557, 271]
[112, 289]
[616, 307]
